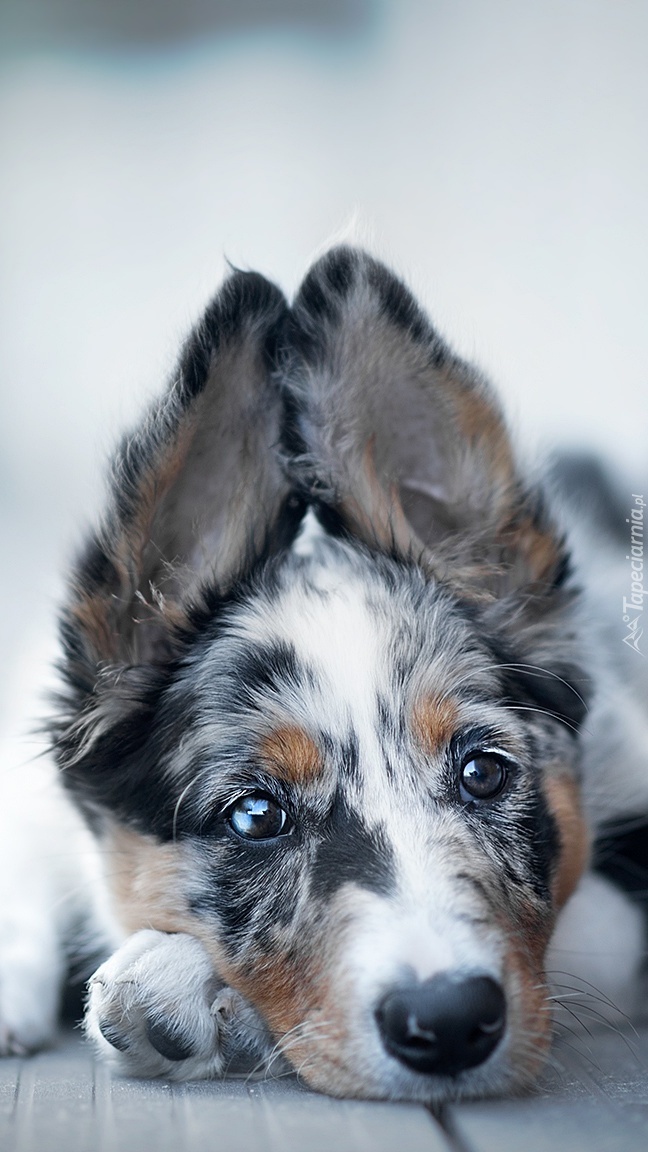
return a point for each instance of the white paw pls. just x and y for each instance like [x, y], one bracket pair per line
[158, 1008]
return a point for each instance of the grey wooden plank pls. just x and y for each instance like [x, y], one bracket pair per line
[217, 1116]
[133, 1115]
[54, 1103]
[596, 1100]
[594, 1096]
[9, 1069]
[612, 1062]
[272, 1117]
[548, 1126]
[67, 1103]
[294, 1120]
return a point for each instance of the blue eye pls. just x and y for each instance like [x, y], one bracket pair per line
[483, 776]
[258, 817]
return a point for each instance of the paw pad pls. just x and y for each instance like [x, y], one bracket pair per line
[164, 1037]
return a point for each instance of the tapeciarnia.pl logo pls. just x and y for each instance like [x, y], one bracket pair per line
[633, 605]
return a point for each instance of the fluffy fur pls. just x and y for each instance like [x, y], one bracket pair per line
[324, 596]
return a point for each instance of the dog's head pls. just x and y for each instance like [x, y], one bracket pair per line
[346, 760]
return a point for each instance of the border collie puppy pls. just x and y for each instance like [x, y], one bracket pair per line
[339, 720]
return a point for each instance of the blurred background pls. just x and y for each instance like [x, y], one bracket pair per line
[495, 153]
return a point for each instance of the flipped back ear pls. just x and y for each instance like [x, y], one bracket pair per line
[197, 493]
[402, 444]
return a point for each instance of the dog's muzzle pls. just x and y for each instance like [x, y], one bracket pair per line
[444, 1025]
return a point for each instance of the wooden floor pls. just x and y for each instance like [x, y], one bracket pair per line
[595, 1100]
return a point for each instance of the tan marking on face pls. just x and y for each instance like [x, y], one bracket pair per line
[435, 720]
[282, 991]
[292, 755]
[575, 842]
[147, 882]
[527, 937]
[528, 1018]
[304, 1002]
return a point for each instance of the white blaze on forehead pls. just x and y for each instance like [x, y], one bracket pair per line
[334, 633]
[338, 637]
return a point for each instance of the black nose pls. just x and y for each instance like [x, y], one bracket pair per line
[445, 1024]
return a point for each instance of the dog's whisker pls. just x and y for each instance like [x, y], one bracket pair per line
[301, 1032]
[594, 993]
[536, 669]
[579, 996]
[545, 712]
[584, 1055]
[577, 1018]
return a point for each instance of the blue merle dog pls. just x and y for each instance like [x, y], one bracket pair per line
[334, 716]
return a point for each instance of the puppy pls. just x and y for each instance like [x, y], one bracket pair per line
[340, 720]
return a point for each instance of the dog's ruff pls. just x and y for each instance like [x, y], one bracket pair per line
[340, 721]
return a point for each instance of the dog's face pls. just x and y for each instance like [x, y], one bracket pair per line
[350, 764]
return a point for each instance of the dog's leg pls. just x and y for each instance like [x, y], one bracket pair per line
[158, 1008]
[47, 890]
[32, 961]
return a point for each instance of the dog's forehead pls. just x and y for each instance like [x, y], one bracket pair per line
[386, 629]
[342, 630]
[342, 654]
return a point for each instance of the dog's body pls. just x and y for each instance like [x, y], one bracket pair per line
[344, 777]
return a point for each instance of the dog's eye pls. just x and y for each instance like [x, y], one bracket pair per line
[258, 817]
[482, 776]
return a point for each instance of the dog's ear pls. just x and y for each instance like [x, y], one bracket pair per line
[402, 444]
[197, 493]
